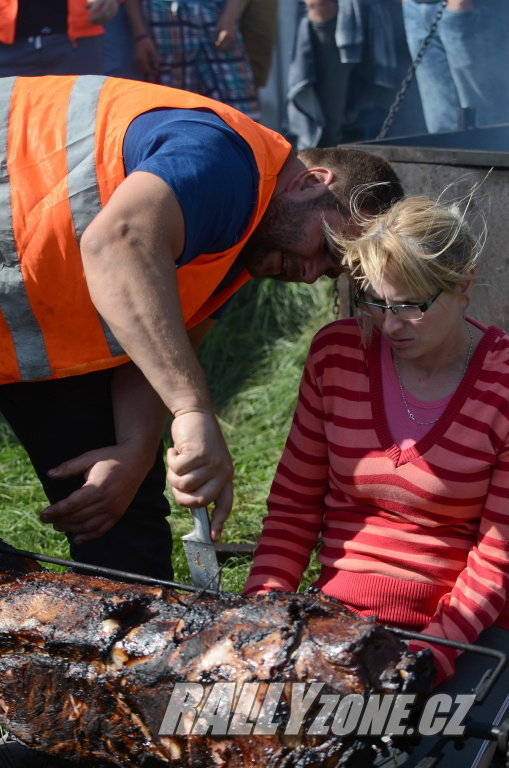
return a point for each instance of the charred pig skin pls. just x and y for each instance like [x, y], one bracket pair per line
[88, 665]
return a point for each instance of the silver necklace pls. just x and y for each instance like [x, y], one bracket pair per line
[405, 401]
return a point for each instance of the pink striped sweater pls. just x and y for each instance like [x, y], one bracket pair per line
[418, 537]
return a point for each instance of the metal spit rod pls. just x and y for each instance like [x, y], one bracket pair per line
[487, 680]
[99, 570]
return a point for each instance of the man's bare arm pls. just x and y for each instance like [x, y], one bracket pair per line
[128, 255]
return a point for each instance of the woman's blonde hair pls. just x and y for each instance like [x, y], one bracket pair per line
[425, 244]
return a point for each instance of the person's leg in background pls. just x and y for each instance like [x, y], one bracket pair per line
[436, 85]
[409, 118]
[476, 41]
[331, 75]
[118, 48]
[224, 75]
[258, 20]
[60, 419]
[333, 80]
[185, 37]
[176, 38]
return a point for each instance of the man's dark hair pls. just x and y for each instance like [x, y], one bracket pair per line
[365, 175]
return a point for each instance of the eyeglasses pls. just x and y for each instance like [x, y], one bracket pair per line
[403, 311]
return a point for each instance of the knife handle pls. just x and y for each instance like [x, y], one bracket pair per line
[201, 524]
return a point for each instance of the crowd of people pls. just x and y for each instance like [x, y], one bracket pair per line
[349, 58]
[130, 218]
[218, 48]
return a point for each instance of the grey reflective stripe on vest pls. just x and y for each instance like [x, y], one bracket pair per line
[14, 305]
[84, 195]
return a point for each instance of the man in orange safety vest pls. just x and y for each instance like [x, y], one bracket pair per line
[129, 214]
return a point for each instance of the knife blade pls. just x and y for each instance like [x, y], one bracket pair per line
[200, 553]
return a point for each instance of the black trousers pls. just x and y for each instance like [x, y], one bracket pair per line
[59, 419]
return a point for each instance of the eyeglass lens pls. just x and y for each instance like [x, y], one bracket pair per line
[403, 311]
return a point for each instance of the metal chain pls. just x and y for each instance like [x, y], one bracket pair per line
[410, 74]
[335, 298]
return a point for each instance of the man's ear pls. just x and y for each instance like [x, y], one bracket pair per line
[312, 182]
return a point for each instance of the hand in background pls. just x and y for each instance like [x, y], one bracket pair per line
[225, 29]
[321, 10]
[460, 5]
[145, 55]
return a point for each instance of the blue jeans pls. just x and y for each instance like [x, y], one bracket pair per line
[465, 64]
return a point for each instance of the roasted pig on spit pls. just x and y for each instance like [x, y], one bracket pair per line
[89, 666]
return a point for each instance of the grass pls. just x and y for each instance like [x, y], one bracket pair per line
[21, 499]
[253, 360]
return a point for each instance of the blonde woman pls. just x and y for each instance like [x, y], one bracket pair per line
[398, 456]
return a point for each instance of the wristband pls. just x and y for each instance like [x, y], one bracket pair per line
[140, 37]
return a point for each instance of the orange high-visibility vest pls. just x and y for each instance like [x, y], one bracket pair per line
[60, 161]
[78, 24]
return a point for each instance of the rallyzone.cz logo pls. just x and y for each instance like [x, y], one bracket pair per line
[265, 709]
